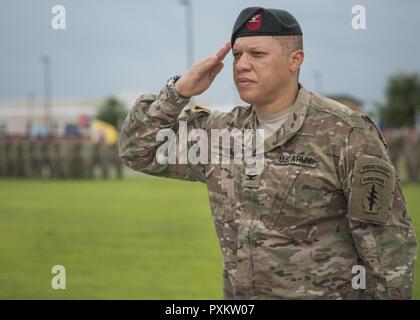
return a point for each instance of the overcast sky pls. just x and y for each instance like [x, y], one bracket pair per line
[113, 46]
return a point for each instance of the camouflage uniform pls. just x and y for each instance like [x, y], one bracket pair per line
[108, 159]
[38, 155]
[74, 156]
[115, 160]
[87, 159]
[43, 151]
[54, 159]
[418, 154]
[13, 167]
[95, 158]
[104, 159]
[25, 156]
[328, 199]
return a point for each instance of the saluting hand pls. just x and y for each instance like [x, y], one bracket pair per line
[200, 75]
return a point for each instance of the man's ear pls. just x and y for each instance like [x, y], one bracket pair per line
[296, 60]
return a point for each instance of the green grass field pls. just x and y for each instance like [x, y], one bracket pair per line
[142, 238]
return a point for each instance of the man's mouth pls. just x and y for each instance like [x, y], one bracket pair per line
[245, 82]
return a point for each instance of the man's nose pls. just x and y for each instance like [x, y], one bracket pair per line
[243, 63]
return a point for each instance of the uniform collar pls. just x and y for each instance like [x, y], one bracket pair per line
[293, 123]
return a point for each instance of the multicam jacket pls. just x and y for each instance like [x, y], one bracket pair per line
[327, 203]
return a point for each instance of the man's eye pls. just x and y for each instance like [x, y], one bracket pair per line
[258, 54]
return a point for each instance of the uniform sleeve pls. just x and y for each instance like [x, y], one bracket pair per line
[146, 134]
[380, 224]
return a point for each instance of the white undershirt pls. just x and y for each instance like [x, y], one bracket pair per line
[271, 124]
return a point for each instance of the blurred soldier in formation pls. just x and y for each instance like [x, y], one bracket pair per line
[411, 154]
[108, 156]
[115, 160]
[70, 155]
[103, 160]
[25, 167]
[3, 168]
[17, 155]
[12, 161]
[42, 147]
[57, 157]
[54, 158]
[87, 160]
[38, 155]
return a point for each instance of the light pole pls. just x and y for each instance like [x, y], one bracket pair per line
[46, 61]
[189, 33]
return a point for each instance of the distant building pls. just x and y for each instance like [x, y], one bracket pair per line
[16, 117]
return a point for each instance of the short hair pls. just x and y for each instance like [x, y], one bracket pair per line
[290, 44]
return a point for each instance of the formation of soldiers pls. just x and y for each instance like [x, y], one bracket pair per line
[57, 158]
[404, 149]
[73, 158]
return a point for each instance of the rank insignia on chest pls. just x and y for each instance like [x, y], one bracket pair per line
[251, 180]
[297, 159]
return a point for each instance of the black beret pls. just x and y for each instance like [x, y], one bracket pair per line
[257, 21]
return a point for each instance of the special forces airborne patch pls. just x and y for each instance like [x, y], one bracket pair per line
[371, 189]
[372, 199]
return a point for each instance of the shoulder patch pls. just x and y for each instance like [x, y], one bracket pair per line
[373, 148]
[191, 113]
[201, 107]
[148, 97]
[372, 188]
[333, 107]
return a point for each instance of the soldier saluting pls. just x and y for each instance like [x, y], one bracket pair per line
[328, 198]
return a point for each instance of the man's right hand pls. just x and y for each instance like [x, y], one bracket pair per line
[200, 76]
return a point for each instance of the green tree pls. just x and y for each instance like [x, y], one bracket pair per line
[402, 99]
[112, 111]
